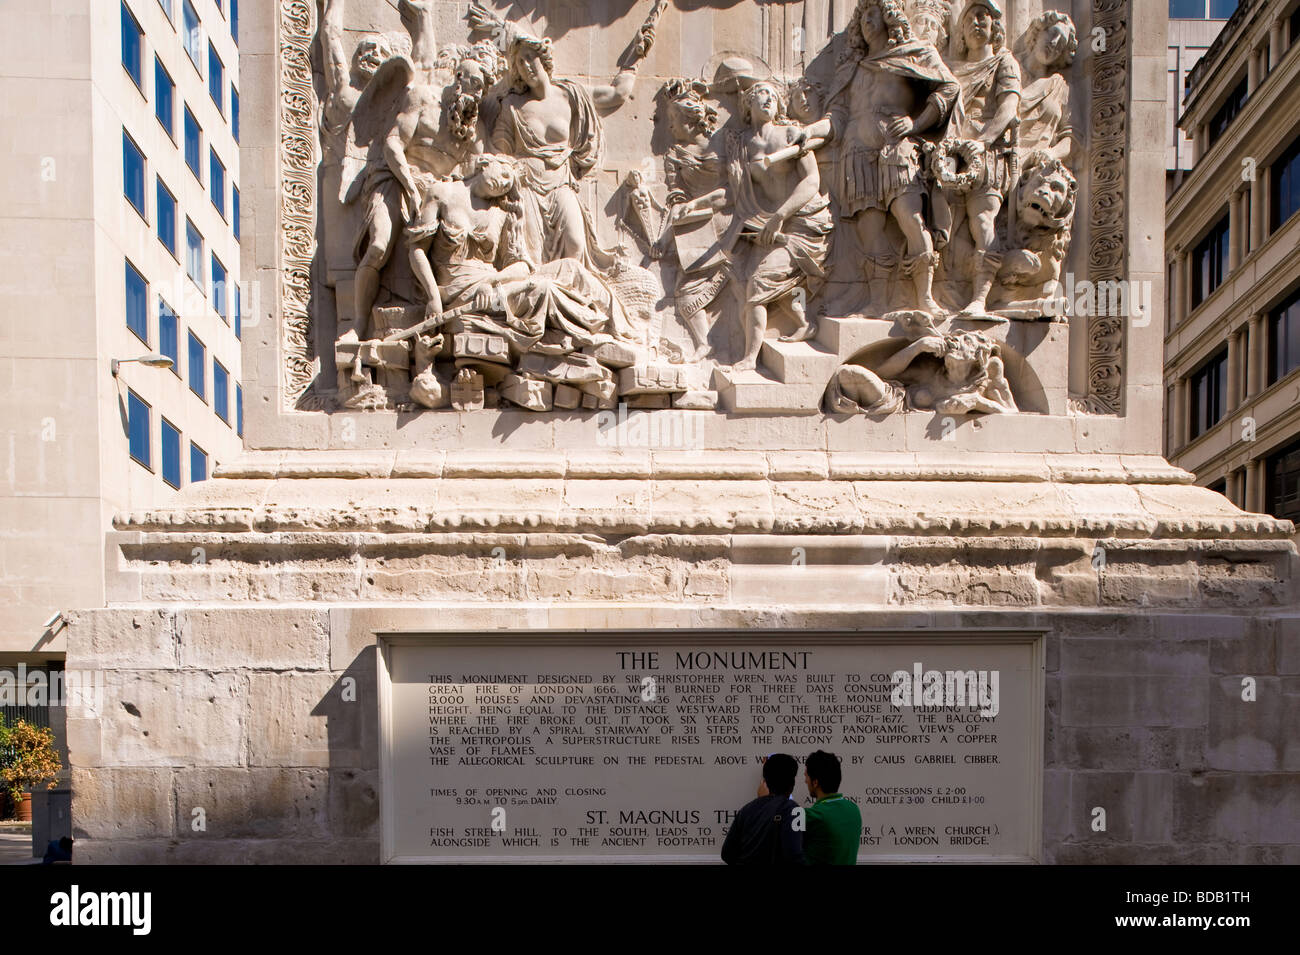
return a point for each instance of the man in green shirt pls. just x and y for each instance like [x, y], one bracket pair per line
[834, 823]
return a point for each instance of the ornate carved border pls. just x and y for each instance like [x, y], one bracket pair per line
[297, 188]
[1108, 172]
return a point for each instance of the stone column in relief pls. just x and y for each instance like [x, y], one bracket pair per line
[1177, 294]
[1252, 72]
[1275, 50]
[1253, 502]
[1234, 233]
[1234, 350]
[1255, 357]
[1180, 413]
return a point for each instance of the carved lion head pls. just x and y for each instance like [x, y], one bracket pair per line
[1047, 193]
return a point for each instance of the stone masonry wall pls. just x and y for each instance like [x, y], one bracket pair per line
[242, 714]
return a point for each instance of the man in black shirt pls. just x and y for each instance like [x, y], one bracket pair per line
[768, 830]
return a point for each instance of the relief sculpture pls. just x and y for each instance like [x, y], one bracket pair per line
[883, 231]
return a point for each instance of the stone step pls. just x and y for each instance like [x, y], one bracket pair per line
[798, 362]
[846, 336]
[753, 391]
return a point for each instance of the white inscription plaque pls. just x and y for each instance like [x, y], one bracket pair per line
[641, 746]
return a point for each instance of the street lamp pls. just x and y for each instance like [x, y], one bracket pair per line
[153, 361]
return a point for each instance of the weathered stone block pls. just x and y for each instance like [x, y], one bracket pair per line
[313, 719]
[123, 639]
[226, 638]
[251, 803]
[174, 718]
[1134, 700]
[121, 803]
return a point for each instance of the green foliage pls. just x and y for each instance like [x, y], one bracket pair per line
[28, 758]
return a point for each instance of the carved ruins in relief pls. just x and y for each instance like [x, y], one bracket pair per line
[876, 229]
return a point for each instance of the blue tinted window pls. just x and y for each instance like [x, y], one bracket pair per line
[166, 217]
[239, 410]
[234, 20]
[216, 78]
[132, 173]
[1284, 339]
[137, 303]
[193, 145]
[164, 95]
[217, 182]
[198, 463]
[168, 335]
[1222, 9]
[234, 210]
[219, 288]
[193, 254]
[234, 112]
[137, 420]
[170, 446]
[167, 9]
[191, 35]
[132, 47]
[198, 359]
[1186, 9]
[239, 312]
[221, 391]
[1285, 197]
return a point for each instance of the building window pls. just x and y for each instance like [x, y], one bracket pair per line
[137, 428]
[1282, 483]
[1222, 9]
[1226, 113]
[198, 463]
[234, 21]
[1285, 174]
[1295, 26]
[221, 391]
[193, 254]
[219, 288]
[167, 9]
[239, 313]
[239, 410]
[164, 98]
[1186, 9]
[1219, 487]
[137, 303]
[193, 145]
[170, 446]
[217, 182]
[132, 173]
[168, 336]
[216, 78]
[192, 36]
[132, 48]
[234, 210]
[166, 218]
[1210, 262]
[1284, 339]
[1206, 392]
[234, 112]
[198, 359]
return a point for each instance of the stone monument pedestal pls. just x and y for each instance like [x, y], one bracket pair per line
[243, 641]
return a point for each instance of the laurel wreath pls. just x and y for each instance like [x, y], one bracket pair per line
[944, 162]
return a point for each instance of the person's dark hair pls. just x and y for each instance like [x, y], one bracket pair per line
[779, 771]
[825, 768]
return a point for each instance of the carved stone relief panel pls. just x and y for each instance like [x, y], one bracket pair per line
[880, 228]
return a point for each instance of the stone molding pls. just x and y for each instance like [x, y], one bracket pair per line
[297, 154]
